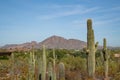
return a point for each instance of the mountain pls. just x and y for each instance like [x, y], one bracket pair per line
[20, 47]
[51, 42]
[62, 43]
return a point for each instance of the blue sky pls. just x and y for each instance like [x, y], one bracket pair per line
[35, 20]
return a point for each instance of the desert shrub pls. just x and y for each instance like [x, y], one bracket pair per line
[75, 67]
[73, 63]
[113, 68]
[4, 58]
[99, 71]
[117, 76]
[60, 53]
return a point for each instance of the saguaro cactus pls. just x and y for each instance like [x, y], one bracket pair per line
[31, 75]
[40, 68]
[50, 71]
[54, 69]
[32, 66]
[91, 49]
[12, 66]
[105, 55]
[44, 64]
[61, 71]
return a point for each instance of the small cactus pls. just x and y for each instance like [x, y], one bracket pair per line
[61, 71]
[12, 66]
[40, 68]
[50, 71]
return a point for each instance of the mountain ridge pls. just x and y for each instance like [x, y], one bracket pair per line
[50, 42]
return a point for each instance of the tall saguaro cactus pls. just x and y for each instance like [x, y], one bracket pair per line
[44, 64]
[91, 48]
[105, 55]
[32, 65]
[54, 69]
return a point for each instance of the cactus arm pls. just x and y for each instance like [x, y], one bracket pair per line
[96, 46]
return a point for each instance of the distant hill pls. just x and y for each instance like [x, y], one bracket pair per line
[51, 42]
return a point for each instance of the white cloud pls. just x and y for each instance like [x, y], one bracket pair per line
[67, 13]
[106, 21]
[57, 6]
[96, 22]
[109, 10]
[103, 17]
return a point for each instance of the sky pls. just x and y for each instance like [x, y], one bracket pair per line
[35, 20]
